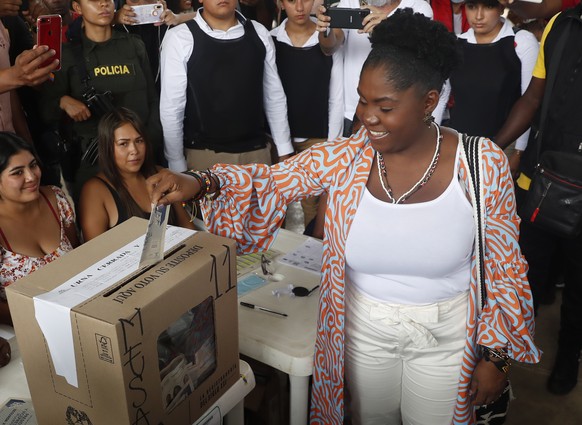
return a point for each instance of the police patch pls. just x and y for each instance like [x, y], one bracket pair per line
[114, 70]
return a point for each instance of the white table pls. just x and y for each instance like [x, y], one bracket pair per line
[285, 343]
[13, 385]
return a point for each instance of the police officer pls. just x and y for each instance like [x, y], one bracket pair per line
[101, 68]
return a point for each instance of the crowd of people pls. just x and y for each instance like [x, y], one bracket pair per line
[247, 107]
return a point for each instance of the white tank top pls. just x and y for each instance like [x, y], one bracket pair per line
[412, 253]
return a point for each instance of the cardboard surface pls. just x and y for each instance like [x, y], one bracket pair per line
[119, 334]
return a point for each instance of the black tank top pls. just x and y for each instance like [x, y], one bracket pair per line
[485, 87]
[305, 74]
[122, 214]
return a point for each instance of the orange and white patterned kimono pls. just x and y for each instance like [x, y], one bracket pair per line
[251, 207]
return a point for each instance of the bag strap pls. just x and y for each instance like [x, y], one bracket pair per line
[471, 155]
[550, 80]
[77, 47]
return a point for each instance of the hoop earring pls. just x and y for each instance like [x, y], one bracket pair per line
[428, 119]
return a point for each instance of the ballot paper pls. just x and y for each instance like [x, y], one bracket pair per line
[307, 256]
[153, 247]
[17, 411]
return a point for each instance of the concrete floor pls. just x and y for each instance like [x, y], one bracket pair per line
[533, 404]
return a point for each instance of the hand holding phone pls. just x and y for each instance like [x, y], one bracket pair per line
[49, 34]
[342, 17]
[148, 13]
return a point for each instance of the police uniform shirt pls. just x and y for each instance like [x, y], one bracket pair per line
[119, 65]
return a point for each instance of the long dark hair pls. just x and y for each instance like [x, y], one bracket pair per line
[105, 134]
[10, 145]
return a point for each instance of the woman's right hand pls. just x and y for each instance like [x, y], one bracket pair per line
[5, 352]
[75, 109]
[167, 187]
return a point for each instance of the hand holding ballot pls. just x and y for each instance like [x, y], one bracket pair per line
[167, 186]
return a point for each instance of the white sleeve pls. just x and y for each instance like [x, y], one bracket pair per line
[526, 48]
[442, 105]
[274, 98]
[177, 48]
[336, 97]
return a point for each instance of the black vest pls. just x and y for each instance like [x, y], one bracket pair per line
[485, 87]
[305, 74]
[224, 100]
[563, 129]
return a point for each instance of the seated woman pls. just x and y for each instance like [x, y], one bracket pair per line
[119, 191]
[37, 224]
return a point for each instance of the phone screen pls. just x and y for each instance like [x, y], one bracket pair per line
[49, 34]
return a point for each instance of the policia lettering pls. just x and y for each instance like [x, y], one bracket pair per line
[111, 70]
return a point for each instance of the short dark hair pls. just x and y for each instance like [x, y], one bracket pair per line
[10, 145]
[417, 50]
[490, 3]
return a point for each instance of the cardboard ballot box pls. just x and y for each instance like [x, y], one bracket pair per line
[105, 343]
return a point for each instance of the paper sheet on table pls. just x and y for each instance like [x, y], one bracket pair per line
[6, 332]
[17, 411]
[53, 309]
[307, 256]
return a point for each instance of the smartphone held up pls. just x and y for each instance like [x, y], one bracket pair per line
[49, 33]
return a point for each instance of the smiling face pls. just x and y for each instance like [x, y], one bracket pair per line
[129, 149]
[95, 12]
[393, 118]
[297, 10]
[485, 19]
[20, 180]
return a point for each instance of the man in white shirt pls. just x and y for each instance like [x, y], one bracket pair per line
[356, 43]
[219, 79]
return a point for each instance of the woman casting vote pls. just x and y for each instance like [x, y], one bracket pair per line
[398, 306]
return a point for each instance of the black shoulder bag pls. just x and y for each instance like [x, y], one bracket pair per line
[494, 413]
[554, 199]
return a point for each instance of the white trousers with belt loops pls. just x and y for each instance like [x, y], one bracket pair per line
[403, 362]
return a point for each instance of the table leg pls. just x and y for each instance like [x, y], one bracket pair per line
[299, 389]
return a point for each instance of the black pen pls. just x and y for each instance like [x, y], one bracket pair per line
[256, 307]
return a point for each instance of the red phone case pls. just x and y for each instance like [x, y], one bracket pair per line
[49, 34]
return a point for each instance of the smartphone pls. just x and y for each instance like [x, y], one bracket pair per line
[342, 17]
[148, 13]
[49, 33]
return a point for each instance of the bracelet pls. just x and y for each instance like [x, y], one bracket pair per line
[517, 152]
[501, 355]
[205, 180]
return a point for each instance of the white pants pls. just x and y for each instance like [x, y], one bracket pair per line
[403, 362]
